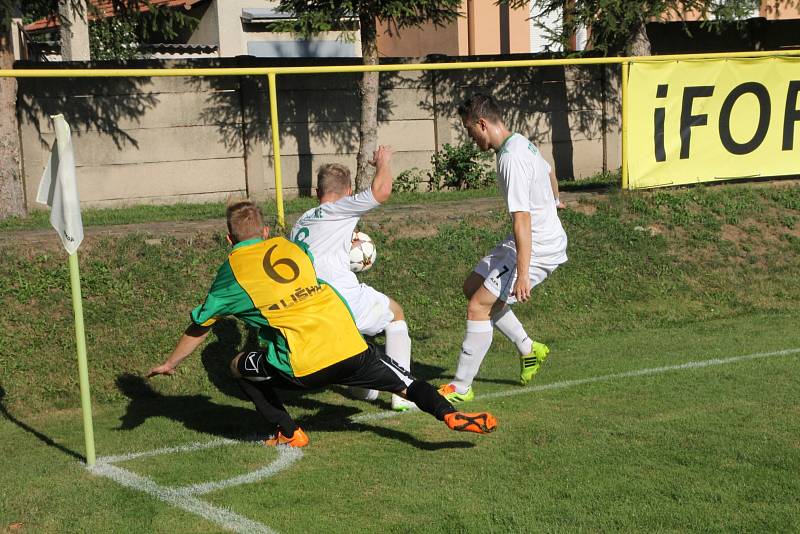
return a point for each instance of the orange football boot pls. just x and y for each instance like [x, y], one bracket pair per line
[299, 439]
[480, 423]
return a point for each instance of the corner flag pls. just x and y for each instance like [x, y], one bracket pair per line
[59, 190]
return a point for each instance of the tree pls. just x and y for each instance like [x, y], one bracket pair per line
[154, 20]
[12, 189]
[311, 17]
[618, 26]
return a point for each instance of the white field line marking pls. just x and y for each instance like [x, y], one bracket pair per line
[169, 450]
[605, 378]
[183, 497]
[286, 457]
[220, 516]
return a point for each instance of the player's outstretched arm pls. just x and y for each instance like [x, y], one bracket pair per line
[382, 183]
[193, 337]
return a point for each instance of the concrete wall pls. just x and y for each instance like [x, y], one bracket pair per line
[162, 140]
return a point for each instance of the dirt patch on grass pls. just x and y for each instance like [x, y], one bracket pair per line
[425, 218]
[586, 207]
[734, 234]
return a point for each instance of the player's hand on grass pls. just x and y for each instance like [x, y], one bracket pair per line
[522, 289]
[381, 156]
[162, 369]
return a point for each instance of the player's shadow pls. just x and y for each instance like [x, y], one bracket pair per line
[217, 355]
[216, 359]
[427, 372]
[330, 418]
[195, 412]
[47, 440]
[436, 374]
[201, 414]
[504, 381]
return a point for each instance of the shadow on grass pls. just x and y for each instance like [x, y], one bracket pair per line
[435, 374]
[429, 373]
[196, 412]
[229, 342]
[201, 414]
[47, 440]
[217, 355]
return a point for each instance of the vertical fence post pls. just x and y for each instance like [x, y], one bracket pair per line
[276, 148]
[624, 84]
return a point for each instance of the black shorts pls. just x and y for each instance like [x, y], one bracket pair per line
[371, 369]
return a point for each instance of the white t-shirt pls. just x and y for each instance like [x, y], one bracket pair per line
[328, 232]
[524, 179]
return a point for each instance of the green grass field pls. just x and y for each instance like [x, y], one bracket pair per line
[645, 418]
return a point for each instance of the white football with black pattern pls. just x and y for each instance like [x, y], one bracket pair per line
[362, 252]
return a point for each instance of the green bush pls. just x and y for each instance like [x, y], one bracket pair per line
[408, 180]
[461, 167]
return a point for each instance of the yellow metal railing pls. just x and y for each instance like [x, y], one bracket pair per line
[272, 72]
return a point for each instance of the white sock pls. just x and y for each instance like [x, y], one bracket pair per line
[476, 344]
[398, 343]
[509, 325]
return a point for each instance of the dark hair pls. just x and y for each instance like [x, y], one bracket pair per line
[480, 106]
[245, 220]
[333, 178]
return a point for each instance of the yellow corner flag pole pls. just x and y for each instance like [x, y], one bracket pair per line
[59, 190]
[83, 367]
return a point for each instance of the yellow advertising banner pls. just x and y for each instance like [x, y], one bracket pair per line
[704, 120]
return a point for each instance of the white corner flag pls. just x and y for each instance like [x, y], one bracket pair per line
[59, 189]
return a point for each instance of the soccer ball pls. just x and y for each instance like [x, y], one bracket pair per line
[362, 252]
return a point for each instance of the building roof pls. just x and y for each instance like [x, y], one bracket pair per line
[256, 14]
[106, 8]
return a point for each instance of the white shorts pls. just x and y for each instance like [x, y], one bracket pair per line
[370, 309]
[499, 270]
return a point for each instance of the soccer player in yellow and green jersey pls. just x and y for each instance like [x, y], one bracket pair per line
[307, 334]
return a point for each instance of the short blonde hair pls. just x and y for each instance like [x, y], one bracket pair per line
[245, 220]
[333, 178]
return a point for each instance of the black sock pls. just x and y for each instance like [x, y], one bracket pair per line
[269, 406]
[428, 399]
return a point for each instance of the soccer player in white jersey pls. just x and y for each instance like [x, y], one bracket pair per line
[327, 230]
[537, 245]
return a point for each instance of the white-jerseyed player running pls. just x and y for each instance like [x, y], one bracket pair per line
[522, 260]
[327, 230]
